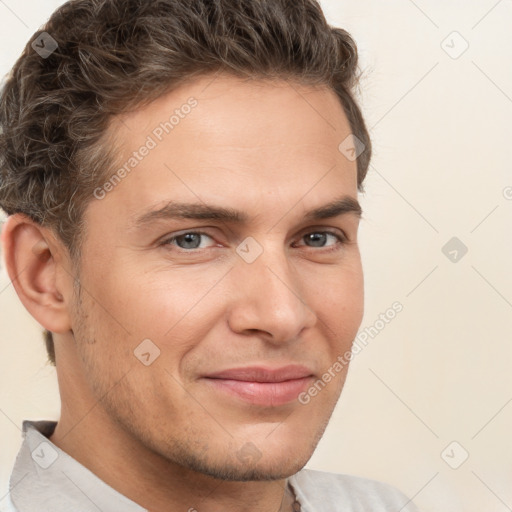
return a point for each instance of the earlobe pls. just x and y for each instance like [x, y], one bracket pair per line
[33, 257]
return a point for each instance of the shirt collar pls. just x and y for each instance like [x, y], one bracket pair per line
[46, 478]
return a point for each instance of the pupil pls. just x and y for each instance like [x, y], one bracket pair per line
[191, 238]
[317, 237]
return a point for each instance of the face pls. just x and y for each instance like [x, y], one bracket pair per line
[216, 288]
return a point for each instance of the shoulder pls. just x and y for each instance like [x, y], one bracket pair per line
[319, 490]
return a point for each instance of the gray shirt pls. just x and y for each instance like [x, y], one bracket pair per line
[46, 479]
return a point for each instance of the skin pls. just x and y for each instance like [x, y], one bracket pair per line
[160, 434]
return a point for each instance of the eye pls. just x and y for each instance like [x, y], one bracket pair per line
[194, 240]
[320, 239]
[188, 240]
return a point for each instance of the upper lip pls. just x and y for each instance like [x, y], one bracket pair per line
[263, 374]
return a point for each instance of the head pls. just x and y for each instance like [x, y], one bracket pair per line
[171, 172]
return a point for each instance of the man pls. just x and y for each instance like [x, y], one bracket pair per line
[181, 181]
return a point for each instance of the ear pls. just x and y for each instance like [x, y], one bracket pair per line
[39, 268]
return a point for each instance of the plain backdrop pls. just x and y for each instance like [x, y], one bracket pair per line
[427, 404]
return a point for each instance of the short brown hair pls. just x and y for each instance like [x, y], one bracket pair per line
[116, 55]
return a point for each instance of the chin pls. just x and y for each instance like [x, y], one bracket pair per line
[258, 461]
[249, 471]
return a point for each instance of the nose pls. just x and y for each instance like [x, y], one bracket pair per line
[268, 299]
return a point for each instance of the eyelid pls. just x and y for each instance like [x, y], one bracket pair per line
[324, 229]
[341, 237]
[168, 239]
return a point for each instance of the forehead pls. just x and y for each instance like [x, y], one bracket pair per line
[224, 139]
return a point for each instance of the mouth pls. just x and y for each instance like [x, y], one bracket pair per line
[263, 386]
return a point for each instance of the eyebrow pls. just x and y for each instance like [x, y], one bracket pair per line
[199, 211]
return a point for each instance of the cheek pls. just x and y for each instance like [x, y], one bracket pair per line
[174, 304]
[338, 300]
[170, 308]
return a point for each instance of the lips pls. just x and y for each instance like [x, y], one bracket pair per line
[262, 385]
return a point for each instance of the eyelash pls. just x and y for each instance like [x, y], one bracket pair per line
[341, 240]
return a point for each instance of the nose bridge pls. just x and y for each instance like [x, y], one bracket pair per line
[269, 297]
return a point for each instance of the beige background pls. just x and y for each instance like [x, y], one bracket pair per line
[440, 371]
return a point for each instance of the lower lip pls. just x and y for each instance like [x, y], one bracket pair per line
[269, 394]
